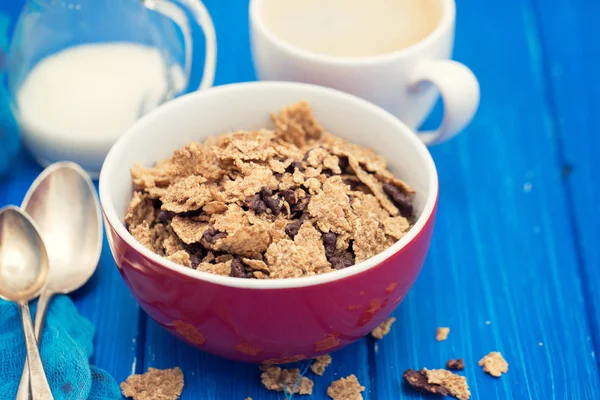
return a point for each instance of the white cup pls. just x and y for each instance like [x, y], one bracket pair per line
[405, 82]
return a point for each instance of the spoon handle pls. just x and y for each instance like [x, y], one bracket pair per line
[40, 389]
[40, 314]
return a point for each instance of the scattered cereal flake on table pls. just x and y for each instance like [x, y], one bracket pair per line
[320, 363]
[455, 384]
[456, 364]
[440, 382]
[442, 333]
[288, 380]
[346, 389]
[383, 329]
[418, 381]
[155, 384]
[494, 364]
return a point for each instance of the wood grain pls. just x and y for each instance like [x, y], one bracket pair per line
[503, 250]
[516, 238]
[570, 51]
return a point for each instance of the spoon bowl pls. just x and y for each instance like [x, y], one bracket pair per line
[23, 273]
[23, 257]
[63, 203]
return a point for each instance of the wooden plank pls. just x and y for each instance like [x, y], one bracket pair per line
[572, 60]
[503, 250]
[210, 377]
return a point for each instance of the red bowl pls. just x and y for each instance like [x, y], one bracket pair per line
[280, 320]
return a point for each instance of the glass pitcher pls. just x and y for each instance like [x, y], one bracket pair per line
[80, 72]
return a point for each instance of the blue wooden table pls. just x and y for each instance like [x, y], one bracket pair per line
[515, 261]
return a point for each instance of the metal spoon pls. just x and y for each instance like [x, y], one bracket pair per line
[23, 273]
[63, 203]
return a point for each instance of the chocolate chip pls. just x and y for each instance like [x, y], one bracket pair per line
[343, 163]
[165, 216]
[354, 184]
[327, 172]
[237, 268]
[156, 203]
[337, 259]
[400, 198]
[290, 197]
[265, 192]
[295, 165]
[343, 261]
[301, 204]
[418, 381]
[192, 213]
[329, 242]
[196, 259]
[293, 227]
[211, 234]
[256, 204]
[272, 204]
[455, 365]
[194, 248]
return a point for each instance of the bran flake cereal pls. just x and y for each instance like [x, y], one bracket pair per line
[286, 202]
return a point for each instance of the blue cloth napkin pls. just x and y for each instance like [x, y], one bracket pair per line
[9, 133]
[66, 347]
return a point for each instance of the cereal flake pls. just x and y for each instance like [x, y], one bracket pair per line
[154, 385]
[187, 194]
[494, 364]
[288, 380]
[296, 124]
[455, 384]
[346, 389]
[441, 333]
[320, 363]
[383, 329]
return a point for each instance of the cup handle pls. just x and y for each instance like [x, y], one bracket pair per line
[201, 16]
[459, 90]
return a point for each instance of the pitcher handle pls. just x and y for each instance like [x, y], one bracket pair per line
[175, 12]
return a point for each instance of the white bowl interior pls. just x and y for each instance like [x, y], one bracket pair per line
[247, 106]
